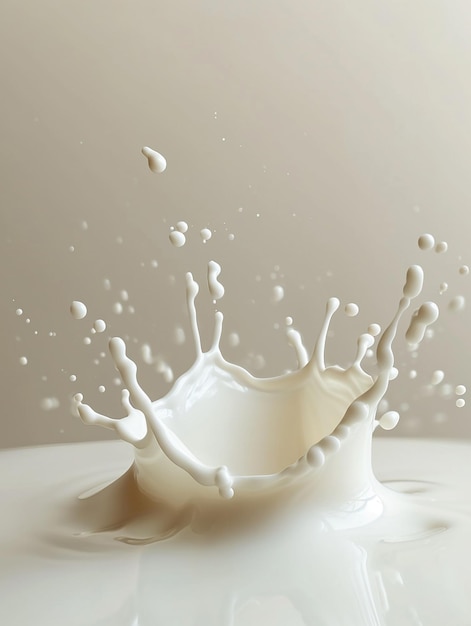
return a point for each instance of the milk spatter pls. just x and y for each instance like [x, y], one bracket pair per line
[221, 432]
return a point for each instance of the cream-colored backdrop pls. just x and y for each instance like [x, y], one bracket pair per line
[341, 129]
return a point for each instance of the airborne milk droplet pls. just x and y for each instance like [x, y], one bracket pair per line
[78, 310]
[437, 377]
[99, 326]
[352, 309]
[157, 162]
[182, 226]
[206, 234]
[457, 304]
[278, 293]
[216, 289]
[177, 238]
[233, 339]
[426, 242]
[49, 404]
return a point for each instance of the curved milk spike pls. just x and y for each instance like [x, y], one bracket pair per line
[318, 356]
[295, 341]
[192, 289]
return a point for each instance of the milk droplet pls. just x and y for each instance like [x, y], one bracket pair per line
[157, 162]
[457, 304]
[177, 238]
[102, 388]
[437, 377]
[182, 226]
[19, 312]
[206, 234]
[374, 329]
[179, 336]
[78, 310]
[23, 360]
[117, 308]
[107, 284]
[124, 295]
[87, 341]
[413, 374]
[352, 309]
[215, 288]
[441, 247]
[233, 339]
[99, 326]
[72, 378]
[289, 321]
[278, 293]
[443, 288]
[426, 242]
[389, 420]
[48, 404]
[460, 403]
[464, 270]
[460, 390]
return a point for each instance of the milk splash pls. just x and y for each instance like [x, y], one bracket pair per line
[222, 434]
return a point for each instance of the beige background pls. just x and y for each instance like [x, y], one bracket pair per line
[342, 129]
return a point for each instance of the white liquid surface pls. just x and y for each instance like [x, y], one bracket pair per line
[278, 569]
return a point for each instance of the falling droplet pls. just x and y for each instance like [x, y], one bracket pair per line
[157, 162]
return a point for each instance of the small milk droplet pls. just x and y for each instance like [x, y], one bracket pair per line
[78, 310]
[117, 308]
[441, 247]
[23, 360]
[182, 226]
[206, 234]
[460, 390]
[278, 293]
[352, 309]
[157, 162]
[437, 377]
[460, 403]
[374, 329]
[48, 404]
[99, 326]
[19, 312]
[72, 378]
[464, 270]
[457, 304]
[234, 340]
[87, 341]
[426, 242]
[179, 336]
[177, 238]
[101, 389]
[389, 420]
